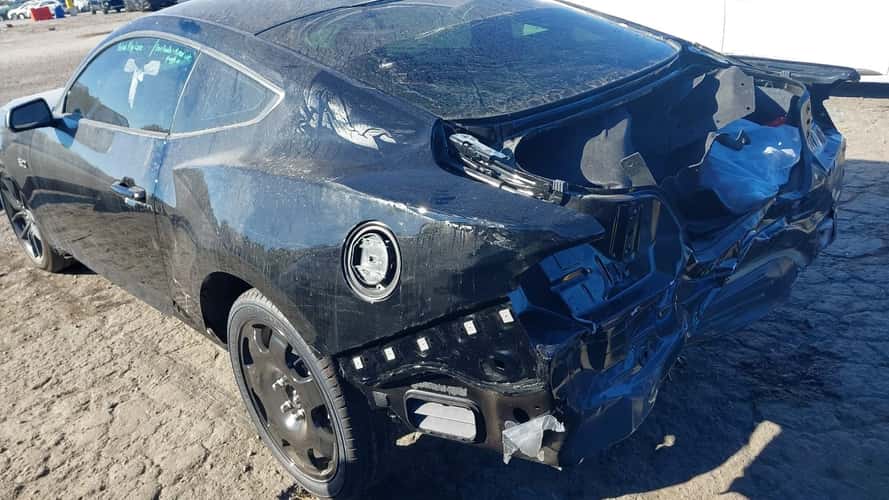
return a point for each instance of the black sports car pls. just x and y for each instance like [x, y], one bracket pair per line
[496, 222]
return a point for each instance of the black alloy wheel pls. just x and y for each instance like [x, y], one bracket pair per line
[288, 400]
[28, 234]
[27, 231]
[317, 428]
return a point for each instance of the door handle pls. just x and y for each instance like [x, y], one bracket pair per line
[126, 188]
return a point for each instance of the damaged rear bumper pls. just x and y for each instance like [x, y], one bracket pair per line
[606, 382]
[573, 360]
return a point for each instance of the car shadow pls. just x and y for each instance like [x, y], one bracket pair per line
[78, 269]
[788, 408]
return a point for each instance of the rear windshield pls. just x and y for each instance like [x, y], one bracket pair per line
[474, 58]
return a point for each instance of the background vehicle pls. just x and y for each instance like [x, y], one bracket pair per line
[420, 245]
[7, 6]
[107, 5]
[146, 5]
[24, 10]
[853, 36]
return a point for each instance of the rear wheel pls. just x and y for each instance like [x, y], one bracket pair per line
[315, 426]
[27, 231]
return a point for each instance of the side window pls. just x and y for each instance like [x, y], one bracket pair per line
[134, 83]
[219, 95]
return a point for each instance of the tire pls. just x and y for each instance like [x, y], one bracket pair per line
[344, 464]
[26, 229]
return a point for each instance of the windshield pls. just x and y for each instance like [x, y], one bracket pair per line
[474, 58]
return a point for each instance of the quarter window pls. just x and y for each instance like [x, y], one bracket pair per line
[219, 95]
[134, 83]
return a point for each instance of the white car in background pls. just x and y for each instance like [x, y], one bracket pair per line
[855, 32]
[24, 11]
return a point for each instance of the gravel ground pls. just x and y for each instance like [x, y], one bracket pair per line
[101, 396]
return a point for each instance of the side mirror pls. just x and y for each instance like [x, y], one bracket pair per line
[30, 115]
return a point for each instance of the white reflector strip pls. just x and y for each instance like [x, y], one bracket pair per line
[447, 420]
[454, 413]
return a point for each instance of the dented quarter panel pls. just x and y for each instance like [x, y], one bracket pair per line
[273, 204]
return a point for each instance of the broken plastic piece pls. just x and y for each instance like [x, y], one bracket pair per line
[747, 172]
[408, 439]
[527, 438]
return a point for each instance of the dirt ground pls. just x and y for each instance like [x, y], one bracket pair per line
[101, 396]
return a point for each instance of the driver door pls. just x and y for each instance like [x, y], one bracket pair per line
[97, 170]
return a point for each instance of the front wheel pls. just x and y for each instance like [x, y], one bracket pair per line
[316, 427]
[27, 231]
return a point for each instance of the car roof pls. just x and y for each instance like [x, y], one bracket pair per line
[254, 16]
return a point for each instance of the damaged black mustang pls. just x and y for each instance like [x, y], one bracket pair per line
[496, 222]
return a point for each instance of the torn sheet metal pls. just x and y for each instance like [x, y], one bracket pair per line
[527, 438]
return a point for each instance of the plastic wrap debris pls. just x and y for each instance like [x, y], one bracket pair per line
[746, 177]
[527, 438]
